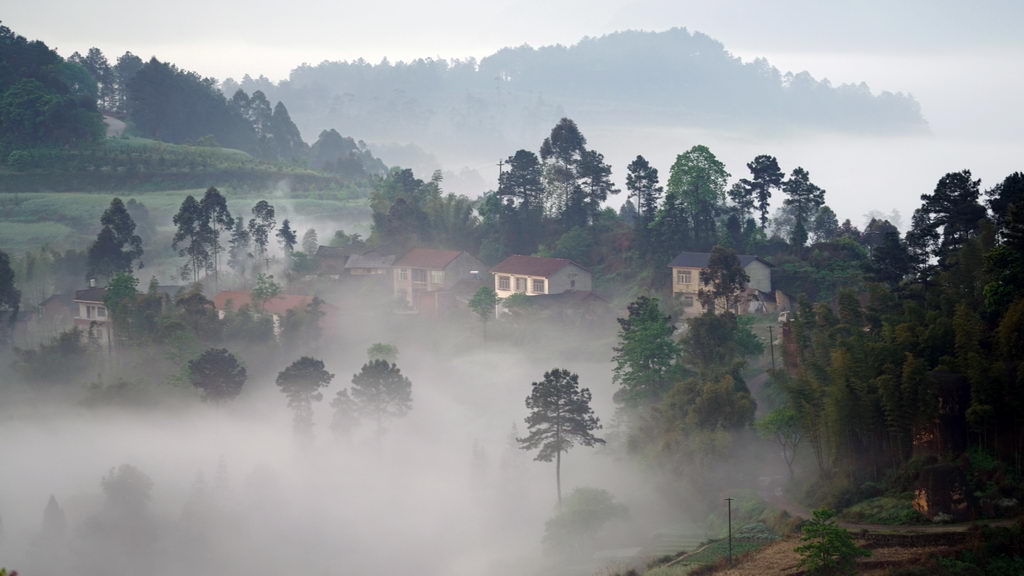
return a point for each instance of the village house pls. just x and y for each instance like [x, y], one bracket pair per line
[425, 277]
[757, 294]
[277, 307]
[369, 264]
[331, 260]
[92, 316]
[533, 276]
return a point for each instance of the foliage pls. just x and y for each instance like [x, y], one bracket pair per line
[116, 245]
[380, 391]
[560, 417]
[483, 304]
[722, 282]
[827, 549]
[217, 374]
[65, 356]
[301, 382]
[783, 426]
[580, 519]
[265, 290]
[44, 100]
[645, 355]
[382, 351]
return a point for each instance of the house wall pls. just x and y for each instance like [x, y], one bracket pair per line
[512, 285]
[760, 276]
[563, 280]
[457, 270]
[460, 268]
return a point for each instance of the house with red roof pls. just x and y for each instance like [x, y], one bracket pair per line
[532, 276]
[425, 277]
[277, 307]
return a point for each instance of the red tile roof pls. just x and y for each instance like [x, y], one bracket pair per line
[532, 265]
[279, 305]
[427, 258]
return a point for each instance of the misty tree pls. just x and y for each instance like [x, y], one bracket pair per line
[644, 355]
[383, 351]
[287, 237]
[301, 383]
[560, 417]
[346, 413]
[783, 426]
[310, 242]
[561, 153]
[483, 304]
[756, 192]
[260, 226]
[127, 489]
[380, 391]
[948, 217]
[574, 528]
[120, 299]
[217, 374]
[55, 524]
[642, 184]
[595, 182]
[239, 252]
[193, 237]
[10, 296]
[697, 180]
[117, 245]
[825, 226]
[265, 290]
[722, 282]
[804, 198]
[216, 219]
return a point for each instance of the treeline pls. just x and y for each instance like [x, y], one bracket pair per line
[45, 101]
[676, 76]
[928, 361]
[50, 108]
[552, 202]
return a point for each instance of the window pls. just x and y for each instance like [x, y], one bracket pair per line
[683, 277]
[419, 275]
[687, 301]
[538, 286]
[503, 283]
[101, 311]
[403, 274]
[437, 276]
[90, 311]
[520, 284]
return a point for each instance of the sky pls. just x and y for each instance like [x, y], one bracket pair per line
[961, 60]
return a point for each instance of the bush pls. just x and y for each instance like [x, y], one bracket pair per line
[828, 549]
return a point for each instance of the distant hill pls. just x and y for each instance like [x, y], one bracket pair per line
[671, 78]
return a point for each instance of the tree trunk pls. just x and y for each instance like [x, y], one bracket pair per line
[558, 476]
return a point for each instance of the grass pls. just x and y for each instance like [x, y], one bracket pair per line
[71, 219]
[21, 236]
[883, 510]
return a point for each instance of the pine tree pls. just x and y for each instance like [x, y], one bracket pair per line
[193, 237]
[804, 198]
[301, 383]
[216, 218]
[116, 246]
[260, 226]
[217, 374]
[380, 391]
[645, 354]
[560, 417]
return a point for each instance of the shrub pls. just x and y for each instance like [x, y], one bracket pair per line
[828, 549]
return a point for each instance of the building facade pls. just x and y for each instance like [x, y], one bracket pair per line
[686, 282]
[533, 276]
[424, 277]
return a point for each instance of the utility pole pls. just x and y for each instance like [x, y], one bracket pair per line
[771, 345]
[728, 502]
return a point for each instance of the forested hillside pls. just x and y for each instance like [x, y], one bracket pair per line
[675, 78]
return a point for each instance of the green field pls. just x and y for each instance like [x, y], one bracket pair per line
[71, 220]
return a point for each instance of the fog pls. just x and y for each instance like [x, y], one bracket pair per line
[443, 491]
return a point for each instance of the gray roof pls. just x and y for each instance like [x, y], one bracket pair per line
[91, 295]
[369, 261]
[700, 260]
